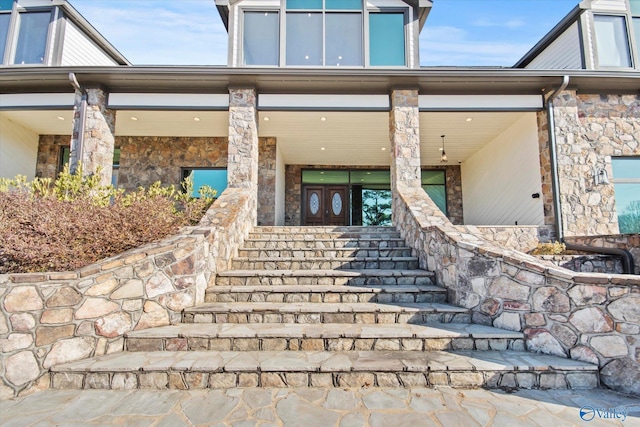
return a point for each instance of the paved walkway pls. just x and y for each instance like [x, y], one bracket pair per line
[312, 407]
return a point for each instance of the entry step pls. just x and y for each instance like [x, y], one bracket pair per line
[324, 277]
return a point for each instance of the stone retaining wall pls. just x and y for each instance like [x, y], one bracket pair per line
[52, 318]
[588, 317]
[606, 264]
[630, 242]
[518, 237]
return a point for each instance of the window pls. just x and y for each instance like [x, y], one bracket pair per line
[434, 184]
[215, 178]
[386, 39]
[261, 38]
[325, 32]
[612, 41]
[635, 12]
[626, 182]
[5, 18]
[32, 38]
[65, 153]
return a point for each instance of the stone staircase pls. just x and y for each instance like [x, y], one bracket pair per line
[324, 307]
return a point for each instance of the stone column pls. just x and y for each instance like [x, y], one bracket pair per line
[95, 149]
[242, 168]
[267, 182]
[404, 134]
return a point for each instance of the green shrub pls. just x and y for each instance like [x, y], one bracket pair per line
[74, 221]
[555, 248]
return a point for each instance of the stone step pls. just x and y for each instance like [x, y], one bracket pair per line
[229, 369]
[324, 263]
[331, 243]
[307, 312]
[324, 229]
[328, 337]
[329, 294]
[324, 277]
[301, 253]
[308, 236]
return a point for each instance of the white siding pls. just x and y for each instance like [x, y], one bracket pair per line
[609, 5]
[78, 49]
[280, 182]
[564, 53]
[499, 179]
[18, 149]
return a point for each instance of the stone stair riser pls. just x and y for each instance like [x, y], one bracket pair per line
[328, 297]
[266, 229]
[224, 280]
[275, 264]
[324, 236]
[325, 253]
[324, 244]
[347, 318]
[322, 344]
[194, 379]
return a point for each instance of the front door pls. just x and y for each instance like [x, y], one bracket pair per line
[326, 205]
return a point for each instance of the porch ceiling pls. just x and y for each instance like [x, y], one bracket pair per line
[172, 123]
[43, 122]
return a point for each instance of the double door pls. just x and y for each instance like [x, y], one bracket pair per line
[326, 205]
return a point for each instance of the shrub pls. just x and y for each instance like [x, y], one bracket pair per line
[555, 248]
[72, 222]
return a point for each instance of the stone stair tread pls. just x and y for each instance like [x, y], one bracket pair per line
[324, 361]
[324, 258]
[373, 289]
[325, 330]
[327, 273]
[324, 307]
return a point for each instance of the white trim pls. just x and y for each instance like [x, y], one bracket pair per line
[36, 100]
[480, 102]
[348, 102]
[168, 100]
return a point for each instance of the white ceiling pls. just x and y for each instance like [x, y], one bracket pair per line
[348, 138]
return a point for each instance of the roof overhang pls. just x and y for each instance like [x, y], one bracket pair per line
[432, 80]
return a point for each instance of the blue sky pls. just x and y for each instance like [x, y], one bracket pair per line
[457, 33]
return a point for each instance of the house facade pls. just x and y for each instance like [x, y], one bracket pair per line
[328, 105]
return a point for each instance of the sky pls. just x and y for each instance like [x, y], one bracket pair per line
[457, 32]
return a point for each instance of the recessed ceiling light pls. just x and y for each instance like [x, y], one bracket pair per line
[196, 119]
[60, 118]
[322, 148]
[440, 149]
[384, 148]
[368, 173]
[321, 173]
[134, 118]
[469, 119]
[323, 119]
[266, 119]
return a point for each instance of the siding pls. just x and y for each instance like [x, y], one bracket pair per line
[499, 179]
[564, 53]
[78, 49]
[18, 150]
[609, 5]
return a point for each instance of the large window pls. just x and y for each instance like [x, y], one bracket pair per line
[635, 12]
[612, 41]
[386, 39]
[626, 181]
[5, 18]
[215, 178]
[261, 38]
[32, 38]
[434, 184]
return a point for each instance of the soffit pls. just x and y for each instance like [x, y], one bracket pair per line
[43, 122]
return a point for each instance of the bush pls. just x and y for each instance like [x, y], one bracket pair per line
[555, 248]
[72, 222]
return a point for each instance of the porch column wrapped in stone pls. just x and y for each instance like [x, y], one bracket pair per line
[242, 168]
[97, 126]
[404, 134]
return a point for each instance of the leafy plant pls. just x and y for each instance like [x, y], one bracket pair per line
[555, 248]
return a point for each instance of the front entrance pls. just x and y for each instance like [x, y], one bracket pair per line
[326, 205]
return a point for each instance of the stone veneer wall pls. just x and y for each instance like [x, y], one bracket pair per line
[49, 152]
[589, 130]
[630, 242]
[293, 190]
[56, 317]
[523, 238]
[588, 317]
[267, 182]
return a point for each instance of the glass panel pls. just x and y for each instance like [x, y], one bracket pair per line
[6, 4]
[261, 38]
[304, 39]
[636, 29]
[325, 177]
[438, 194]
[32, 38]
[611, 41]
[626, 174]
[343, 4]
[4, 29]
[376, 207]
[626, 168]
[114, 177]
[433, 177]
[304, 4]
[386, 39]
[214, 178]
[64, 157]
[344, 39]
[116, 156]
[368, 178]
[635, 7]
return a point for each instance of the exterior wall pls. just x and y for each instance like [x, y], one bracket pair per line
[77, 49]
[589, 130]
[267, 182]
[49, 151]
[523, 239]
[630, 242]
[280, 188]
[564, 53]
[293, 190]
[18, 150]
[499, 179]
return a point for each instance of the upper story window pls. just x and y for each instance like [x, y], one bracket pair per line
[612, 41]
[23, 35]
[635, 17]
[329, 33]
